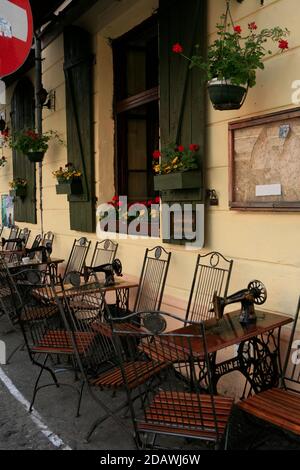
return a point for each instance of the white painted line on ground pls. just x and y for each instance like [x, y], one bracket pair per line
[35, 416]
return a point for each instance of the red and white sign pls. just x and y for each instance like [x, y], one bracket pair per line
[16, 33]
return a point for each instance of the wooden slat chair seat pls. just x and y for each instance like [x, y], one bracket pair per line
[281, 406]
[276, 406]
[174, 413]
[60, 342]
[39, 313]
[136, 373]
[176, 405]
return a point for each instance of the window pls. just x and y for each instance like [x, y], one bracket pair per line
[137, 111]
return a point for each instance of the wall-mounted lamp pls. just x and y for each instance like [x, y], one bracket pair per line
[47, 99]
[212, 196]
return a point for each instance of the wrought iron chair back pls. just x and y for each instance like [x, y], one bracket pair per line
[35, 244]
[175, 405]
[48, 238]
[291, 368]
[25, 234]
[152, 280]
[77, 257]
[10, 298]
[104, 252]
[12, 235]
[279, 406]
[212, 274]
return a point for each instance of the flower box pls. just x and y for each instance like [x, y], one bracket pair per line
[72, 187]
[178, 180]
[142, 229]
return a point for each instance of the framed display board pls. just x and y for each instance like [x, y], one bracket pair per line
[264, 162]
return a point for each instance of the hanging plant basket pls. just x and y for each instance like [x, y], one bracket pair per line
[18, 192]
[178, 180]
[36, 157]
[225, 96]
[71, 187]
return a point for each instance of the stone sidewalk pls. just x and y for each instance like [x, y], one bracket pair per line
[56, 408]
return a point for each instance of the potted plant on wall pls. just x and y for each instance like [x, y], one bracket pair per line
[177, 167]
[32, 144]
[233, 60]
[18, 188]
[69, 180]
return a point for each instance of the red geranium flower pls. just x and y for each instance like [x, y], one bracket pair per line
[283, 44]
[115, 198]
[156, 155]
[157, 200]
[180, 148]
[194, 147]
[177, 48]
[252, 26]
[237, 29]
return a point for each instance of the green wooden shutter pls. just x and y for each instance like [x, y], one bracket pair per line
[79, 109]
[182, 91]
[22, 117]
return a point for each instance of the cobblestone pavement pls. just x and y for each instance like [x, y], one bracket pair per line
[17, 430]
[57, 410]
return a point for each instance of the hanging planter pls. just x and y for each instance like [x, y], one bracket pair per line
[32, 144]
[226, 96]
[35, 157]
[233, 59]
[18, 188]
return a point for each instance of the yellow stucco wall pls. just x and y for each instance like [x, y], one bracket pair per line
[264, 245]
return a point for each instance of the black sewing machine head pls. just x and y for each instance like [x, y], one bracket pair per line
[20, 242]
[45, 250]
[255, 293]
[109, 269]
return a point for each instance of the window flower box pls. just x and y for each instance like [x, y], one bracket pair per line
[70, 187]
[178, 180]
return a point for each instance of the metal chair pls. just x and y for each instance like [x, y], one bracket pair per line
[85, 311]
[77, 257]
[35, 244]
[177, 407]
[280, 407]
[24, 234]
[212, 274]
[14, 231]
[48, 238]
[152, 280]
[104, 252]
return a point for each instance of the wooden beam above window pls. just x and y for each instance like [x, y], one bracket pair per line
[138, 100]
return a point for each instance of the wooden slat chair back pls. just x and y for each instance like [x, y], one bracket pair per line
[152, 280]
[77, 257]
[176, 406]
[281, 406]
[104, 253]
[212, 274]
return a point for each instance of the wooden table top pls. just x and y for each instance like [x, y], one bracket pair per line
[119, 284]
[34, 262]
[228, 331]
